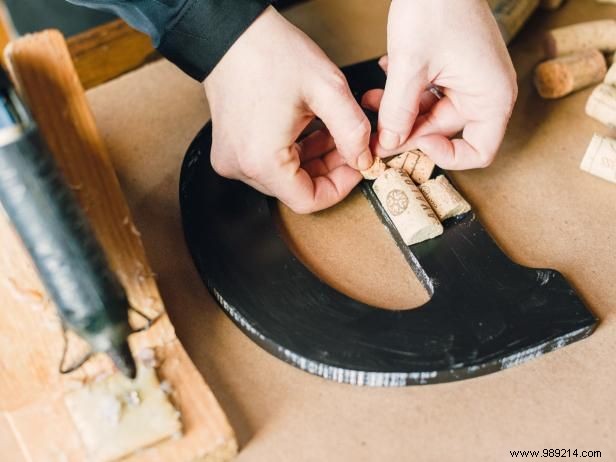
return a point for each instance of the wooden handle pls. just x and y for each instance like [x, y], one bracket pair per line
[31, 392]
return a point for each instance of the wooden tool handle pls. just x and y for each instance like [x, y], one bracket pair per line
[32, 393]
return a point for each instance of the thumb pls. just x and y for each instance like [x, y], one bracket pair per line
[400, 104]
[332, 101]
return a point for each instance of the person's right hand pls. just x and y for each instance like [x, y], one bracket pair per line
[266, 89]
[457, 47]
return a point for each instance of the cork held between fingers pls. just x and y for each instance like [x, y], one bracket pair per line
[375, 170]
[406, 206]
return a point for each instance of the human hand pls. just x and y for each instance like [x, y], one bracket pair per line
[456, 46]
[267, 88]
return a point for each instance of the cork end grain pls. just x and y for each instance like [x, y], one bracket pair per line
[552, 80]
[378, 167]
[559, 77]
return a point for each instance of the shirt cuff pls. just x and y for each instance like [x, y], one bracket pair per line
[204, 31]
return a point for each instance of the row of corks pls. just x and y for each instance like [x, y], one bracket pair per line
[578, 56]
[415, 203]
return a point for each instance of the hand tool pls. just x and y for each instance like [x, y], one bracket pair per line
[485, 313]
[54, 230]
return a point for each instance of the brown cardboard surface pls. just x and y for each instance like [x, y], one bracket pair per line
[535, 201]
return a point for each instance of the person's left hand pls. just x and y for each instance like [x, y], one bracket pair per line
[456, 46]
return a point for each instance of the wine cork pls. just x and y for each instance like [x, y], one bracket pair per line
[511, 15]
[610, 77]
[551, 4]
[443, 198]
[373, 172]
[600, 158]
[397, 161]
[411, 161]
[423, 169]
[407, 207]
[602, 105]
[560, 76]
[599, 34]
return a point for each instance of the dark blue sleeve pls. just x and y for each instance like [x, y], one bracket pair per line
[193, 34]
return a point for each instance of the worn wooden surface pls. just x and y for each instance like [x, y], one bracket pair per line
[108, 51]
[31, 340]
[6, 28]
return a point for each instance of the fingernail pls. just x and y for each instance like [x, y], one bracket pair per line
[365, 160]
[388, 139]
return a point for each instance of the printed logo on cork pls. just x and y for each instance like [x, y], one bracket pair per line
[397, 202]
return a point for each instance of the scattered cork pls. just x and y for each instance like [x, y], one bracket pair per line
[397, 161]
[378, 167]
[511, 15]
[610, 77]
[599, 34]
[600, 158]
[407, 207]
[443, 198]
[551, 4]
[561, 76]
[423, 169]
[602, 105]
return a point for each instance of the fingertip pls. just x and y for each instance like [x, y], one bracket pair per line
[371, 100]
[388, 139]
[438, 148]
[365, 160]
[456, 154]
